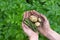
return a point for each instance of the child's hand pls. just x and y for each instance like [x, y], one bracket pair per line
[32, 35]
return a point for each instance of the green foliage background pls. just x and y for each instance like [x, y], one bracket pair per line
[11, 14]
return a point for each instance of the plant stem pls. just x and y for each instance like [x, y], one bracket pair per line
[30, 24]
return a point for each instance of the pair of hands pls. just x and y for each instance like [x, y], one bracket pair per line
[45, 29]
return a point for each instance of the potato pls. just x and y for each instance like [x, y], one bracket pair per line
[33, 18]
[37, 24]
[39, 19]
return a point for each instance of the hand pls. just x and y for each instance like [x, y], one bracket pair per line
[32, 35]
[45, 28]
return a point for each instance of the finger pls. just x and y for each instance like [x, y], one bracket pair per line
[43, 16]
[26, 14]
[25, 26]
[35, 13]
[27, 30]
[41, 30]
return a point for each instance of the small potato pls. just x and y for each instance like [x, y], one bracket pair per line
[37, 24]
[33, 18]
[39, 19]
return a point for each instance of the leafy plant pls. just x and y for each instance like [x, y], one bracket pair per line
[11, 15]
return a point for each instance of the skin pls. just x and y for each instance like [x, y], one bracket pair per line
[31, 34]
[44, 30]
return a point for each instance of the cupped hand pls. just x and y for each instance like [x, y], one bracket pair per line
[27, 30]
[45, 27]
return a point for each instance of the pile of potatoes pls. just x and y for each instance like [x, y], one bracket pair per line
[35, 19]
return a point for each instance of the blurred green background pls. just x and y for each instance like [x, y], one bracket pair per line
[11, 15]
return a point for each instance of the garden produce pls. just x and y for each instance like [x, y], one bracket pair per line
[37, 24]
[33, 18]
[33, 22]
[30, 24]
[39, 19]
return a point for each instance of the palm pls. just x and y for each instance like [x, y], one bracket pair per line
[45, 27]
[26, 29]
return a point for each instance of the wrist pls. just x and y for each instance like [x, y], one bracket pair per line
[52, 35]
[33, 37]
